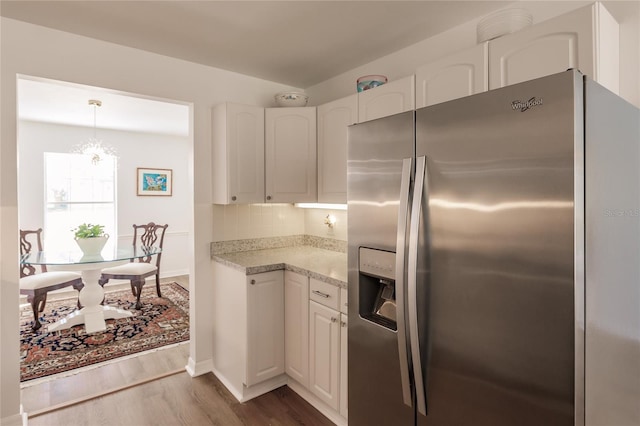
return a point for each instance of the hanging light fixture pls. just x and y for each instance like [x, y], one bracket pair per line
[94, 147]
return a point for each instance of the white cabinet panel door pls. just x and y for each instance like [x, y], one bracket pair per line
[585, 39]
[238, 154]
[455, 76]
[324, 350]
[344, 394]
[296, 326]
[265, 326]
[290, 155]
[388, 99]
[333, 121]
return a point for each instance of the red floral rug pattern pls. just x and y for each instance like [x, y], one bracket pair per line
[161, 321]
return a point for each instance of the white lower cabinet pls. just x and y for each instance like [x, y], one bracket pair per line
[265, 326]
[324, 353]
[344, 394]
[248, 333]
[316, 343]
[270, 331]
[296, 327]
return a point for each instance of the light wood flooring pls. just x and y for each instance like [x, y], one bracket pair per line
[154, 389]
[182, 400]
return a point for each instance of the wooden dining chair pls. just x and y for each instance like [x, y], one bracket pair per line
[137, 272]
[36, 285]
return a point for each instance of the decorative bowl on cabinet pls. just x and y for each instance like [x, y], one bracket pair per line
[367, 82]
[291, 99]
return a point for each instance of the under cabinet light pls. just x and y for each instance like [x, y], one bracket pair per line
[321, 206]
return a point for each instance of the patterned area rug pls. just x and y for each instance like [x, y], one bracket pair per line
[161, 321]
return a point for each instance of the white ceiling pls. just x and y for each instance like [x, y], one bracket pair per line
[297, 43]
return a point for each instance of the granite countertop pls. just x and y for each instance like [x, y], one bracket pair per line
[325, 265]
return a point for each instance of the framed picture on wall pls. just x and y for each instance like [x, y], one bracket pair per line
[155, 182]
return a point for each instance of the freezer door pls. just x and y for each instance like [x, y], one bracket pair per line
[377, 151]
[498, 330]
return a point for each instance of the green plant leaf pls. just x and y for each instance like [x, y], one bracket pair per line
[88, 230]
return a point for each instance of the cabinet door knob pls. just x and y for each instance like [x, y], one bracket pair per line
[268, 197]
[343, 324]
[234, 198]
[253, 282]
[334, 319]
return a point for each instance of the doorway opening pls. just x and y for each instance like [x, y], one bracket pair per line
[55, 117]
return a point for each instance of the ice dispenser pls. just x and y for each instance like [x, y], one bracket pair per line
[377, 283]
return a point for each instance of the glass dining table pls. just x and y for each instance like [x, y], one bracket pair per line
[92, 314]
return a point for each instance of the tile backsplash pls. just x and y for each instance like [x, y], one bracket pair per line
[246, 221]
[314, 223]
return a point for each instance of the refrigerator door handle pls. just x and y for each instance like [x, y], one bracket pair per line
[403, 212]
[416, 213]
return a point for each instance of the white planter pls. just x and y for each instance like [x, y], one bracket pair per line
[92, 246]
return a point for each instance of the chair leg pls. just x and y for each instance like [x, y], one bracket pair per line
[158, 285]
[37, 305]
[42, 301]
[136, 288]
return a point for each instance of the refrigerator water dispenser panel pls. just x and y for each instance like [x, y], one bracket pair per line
[377, 287]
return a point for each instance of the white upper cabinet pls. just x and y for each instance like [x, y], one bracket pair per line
[333, 121]
[388, 99]
[238, 154]
[290, 155]
[452, 77]
[585, 39]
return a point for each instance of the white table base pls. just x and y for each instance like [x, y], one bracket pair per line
[92, 314]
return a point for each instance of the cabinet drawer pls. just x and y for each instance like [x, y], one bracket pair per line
[324, 293]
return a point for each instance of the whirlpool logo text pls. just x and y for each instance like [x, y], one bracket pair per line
[522, 106]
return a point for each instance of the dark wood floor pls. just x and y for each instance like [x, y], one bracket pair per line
[182, 400]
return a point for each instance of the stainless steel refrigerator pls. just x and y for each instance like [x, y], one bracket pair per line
[494, 244]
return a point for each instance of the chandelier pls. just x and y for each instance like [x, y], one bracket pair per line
[94, 147]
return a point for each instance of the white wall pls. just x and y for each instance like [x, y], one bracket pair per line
[134, 150]
[37, 51]
[404, 62]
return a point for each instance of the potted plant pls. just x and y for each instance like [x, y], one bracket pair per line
[90, 238]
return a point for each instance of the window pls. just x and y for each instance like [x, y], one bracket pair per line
[78, 191]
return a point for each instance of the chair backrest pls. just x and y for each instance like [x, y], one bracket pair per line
[150, 234]
[28, 239]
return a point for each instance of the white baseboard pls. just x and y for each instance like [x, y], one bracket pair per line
[174, 273]
[263, 387]
[237, 393]
[247, 393]
[199, 368]
[319, 405]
